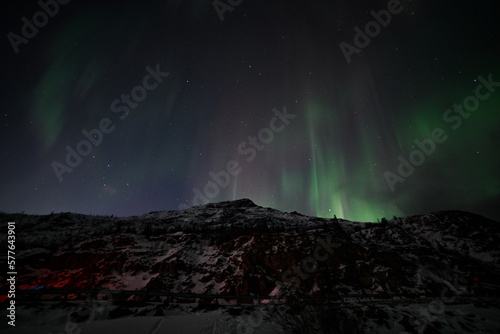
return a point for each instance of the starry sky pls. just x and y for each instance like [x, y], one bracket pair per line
[166, 104]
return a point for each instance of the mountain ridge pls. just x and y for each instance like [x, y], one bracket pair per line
[239, 203]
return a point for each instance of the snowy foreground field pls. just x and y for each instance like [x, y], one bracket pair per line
[413, 318]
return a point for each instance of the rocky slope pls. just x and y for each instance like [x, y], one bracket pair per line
[240, 248]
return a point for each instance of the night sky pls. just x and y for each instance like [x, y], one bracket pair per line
[282, 102]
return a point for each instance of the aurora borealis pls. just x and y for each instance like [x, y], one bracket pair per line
[227, 79]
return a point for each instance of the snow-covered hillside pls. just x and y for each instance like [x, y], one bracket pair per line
[412, 272]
